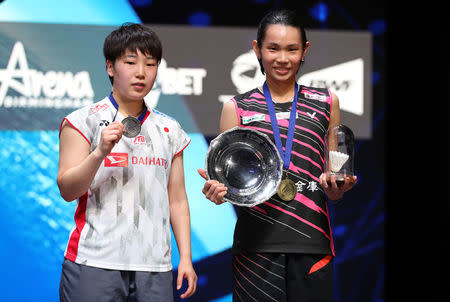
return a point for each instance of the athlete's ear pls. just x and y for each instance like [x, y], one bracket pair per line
[256, 49]
[305, 49]
[110, 68]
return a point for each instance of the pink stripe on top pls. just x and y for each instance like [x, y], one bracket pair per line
[307, 158]
[295, 140]
[257, 95]
[297, 217]
[296, 169]
[309, 203]
[311, 91]
[285, 123]
[254, 100]
[314, 109]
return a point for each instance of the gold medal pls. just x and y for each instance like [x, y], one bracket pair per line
[287, 190]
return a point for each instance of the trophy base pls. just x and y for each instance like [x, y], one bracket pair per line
[340, 179]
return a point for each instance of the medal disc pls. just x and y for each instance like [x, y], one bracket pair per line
[132, 126]
[287, 190]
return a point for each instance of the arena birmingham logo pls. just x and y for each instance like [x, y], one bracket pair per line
[346, 80]
[54, 89]
[59, 89]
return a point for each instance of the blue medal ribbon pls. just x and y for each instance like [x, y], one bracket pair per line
[113, 101]
[286, 156]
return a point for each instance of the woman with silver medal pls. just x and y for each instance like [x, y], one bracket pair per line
[97, 167]
[289, 234]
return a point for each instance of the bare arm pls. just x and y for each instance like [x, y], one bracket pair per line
[77, 165]
[228, 118]
[335, 115]
[180, 221]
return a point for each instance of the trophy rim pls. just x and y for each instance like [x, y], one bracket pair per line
[256, 198]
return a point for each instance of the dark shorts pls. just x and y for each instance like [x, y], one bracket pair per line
[282, 277]
[81, 283]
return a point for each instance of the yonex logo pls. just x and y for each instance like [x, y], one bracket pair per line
[311, 115]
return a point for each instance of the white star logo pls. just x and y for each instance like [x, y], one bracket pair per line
[17, 67]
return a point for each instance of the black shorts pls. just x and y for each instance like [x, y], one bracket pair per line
[282, 277]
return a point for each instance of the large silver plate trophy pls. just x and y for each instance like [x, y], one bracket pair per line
[248, 163]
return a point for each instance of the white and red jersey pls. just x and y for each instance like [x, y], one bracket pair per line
[123, 221]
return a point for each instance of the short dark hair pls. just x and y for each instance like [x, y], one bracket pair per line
[282, 17]
[131, 36]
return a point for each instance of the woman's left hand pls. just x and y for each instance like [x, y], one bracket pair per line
[186, 271]
[333, 191]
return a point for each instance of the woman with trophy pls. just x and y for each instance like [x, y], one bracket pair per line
[283, 246]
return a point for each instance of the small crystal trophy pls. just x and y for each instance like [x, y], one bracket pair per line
[339, 153]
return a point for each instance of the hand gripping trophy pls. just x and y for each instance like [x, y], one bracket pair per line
[339, 153]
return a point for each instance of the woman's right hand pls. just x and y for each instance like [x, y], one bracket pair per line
[213, 190]
[110, 136]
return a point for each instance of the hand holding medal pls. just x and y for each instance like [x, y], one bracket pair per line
[132, 125]
[110, 136]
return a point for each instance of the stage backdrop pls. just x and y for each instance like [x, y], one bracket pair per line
[49, 70]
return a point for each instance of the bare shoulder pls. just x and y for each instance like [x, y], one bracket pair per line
[335, 116]
[334, 99]
[228, 118]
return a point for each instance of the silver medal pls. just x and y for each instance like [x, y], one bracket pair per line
[132, 126]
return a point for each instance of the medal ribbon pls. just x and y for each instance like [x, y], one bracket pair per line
[113, 101]
[276, 130]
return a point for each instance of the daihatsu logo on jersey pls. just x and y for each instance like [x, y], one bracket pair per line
[116, 160]
[38, 89]
[149, 161]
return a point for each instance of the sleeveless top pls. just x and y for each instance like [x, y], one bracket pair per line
[301, 225]
[122, 222]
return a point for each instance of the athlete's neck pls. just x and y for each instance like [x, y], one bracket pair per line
[129, 107]
[281, 92]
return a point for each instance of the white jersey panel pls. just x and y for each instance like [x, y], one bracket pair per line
[126, 221]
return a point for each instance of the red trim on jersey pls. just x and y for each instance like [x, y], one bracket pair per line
[182, 149]
[145, 117]
[80, 221]
[331, 232]
[321, 263]
[65, 119]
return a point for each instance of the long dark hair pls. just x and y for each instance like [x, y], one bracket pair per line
[282, 17]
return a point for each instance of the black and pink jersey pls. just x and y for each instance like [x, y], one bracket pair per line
[301, 225]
